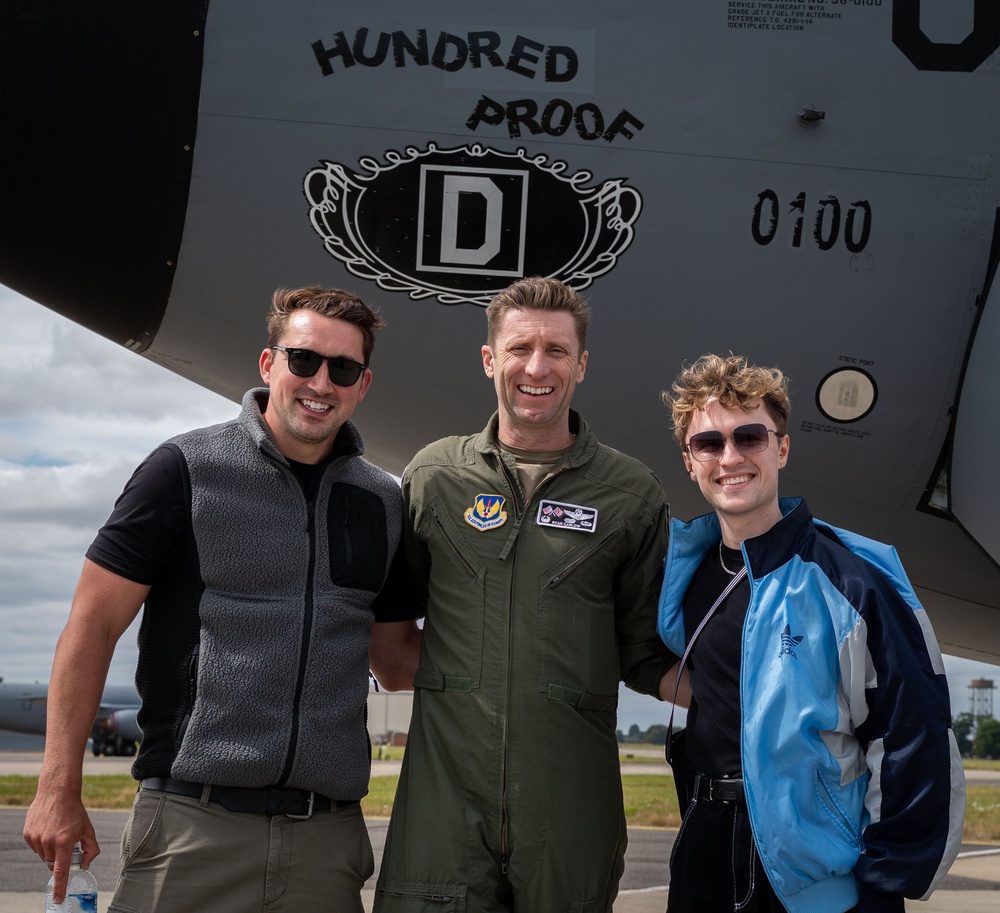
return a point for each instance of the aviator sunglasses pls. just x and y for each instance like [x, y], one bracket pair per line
[344, 372]
[709, 445]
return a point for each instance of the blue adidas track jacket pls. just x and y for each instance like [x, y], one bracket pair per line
[853, 777]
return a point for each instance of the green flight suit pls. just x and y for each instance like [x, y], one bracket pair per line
[510, 792]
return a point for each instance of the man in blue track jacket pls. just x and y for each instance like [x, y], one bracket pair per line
[820, 726]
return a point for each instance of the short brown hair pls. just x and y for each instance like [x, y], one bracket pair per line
[535, 293]
[329, 302]
[734, 382]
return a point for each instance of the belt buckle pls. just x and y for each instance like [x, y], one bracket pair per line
[309, 811]
[711, 792]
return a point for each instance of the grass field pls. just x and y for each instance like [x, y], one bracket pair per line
[650, 800]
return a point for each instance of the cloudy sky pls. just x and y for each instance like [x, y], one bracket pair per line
[77, 414]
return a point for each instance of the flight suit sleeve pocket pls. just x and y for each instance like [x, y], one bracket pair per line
[420, 897]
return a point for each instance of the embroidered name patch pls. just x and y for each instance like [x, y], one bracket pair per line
[567, 516]
[487, 512]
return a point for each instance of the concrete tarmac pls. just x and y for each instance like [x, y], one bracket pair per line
[972, 885]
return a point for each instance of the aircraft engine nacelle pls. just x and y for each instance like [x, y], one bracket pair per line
[122, 724]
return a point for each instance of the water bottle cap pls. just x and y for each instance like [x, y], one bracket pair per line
[77, 857]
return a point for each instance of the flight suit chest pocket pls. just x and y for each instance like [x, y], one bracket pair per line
[356, 537]
[578, 643]
[456, 597]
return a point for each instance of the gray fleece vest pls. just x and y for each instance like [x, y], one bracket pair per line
[279, 678]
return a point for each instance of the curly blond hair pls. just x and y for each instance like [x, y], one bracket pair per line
[731, 380]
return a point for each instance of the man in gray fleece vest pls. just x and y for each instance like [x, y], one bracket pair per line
[257, 547]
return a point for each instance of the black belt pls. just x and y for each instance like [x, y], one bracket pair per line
[295, 803]
[726, 790]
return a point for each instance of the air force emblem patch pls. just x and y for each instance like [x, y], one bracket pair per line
[487, 512]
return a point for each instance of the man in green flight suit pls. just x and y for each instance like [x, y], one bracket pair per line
[537, 553]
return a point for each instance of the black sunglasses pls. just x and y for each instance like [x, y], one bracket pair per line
[709, 445]
[344, 372]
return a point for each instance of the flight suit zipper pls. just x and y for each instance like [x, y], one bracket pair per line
[513, 487]
[504, 856]
[510, 550]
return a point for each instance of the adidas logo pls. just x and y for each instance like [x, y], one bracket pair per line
[788, 642]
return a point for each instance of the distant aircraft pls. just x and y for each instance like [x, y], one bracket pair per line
[813, 184]
[115, 731]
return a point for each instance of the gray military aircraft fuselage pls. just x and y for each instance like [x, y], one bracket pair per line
[115, 732]
[812, 184]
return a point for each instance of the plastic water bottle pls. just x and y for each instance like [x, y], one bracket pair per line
[81, 889]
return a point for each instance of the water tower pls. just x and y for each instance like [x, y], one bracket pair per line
[981, 697]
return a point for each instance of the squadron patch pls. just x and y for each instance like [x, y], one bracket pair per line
[487, 512]
[567, 516]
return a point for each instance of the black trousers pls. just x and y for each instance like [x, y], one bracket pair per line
[714, 866]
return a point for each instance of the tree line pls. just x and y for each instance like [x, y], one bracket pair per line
[978, 737]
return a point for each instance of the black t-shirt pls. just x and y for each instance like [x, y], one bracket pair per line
[713, 723]
[142, 535]
[140, 539]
